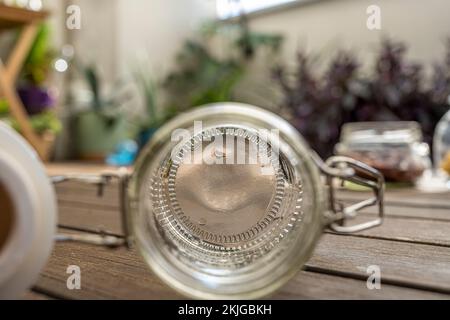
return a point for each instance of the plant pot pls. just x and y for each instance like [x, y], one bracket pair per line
[96, 135]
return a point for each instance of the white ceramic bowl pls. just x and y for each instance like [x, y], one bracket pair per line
[30, 241]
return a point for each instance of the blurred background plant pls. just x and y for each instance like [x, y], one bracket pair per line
[203, 76]
[100, 121]
[154, 115]
[319, 104]
[33, 88]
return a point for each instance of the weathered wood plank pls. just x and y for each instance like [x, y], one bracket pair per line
[32, 295]
[436, 214]
[397, 197]
[412, 249]
[105, 274]
[407, 230]
[87, 195]
[405, 198]
[89, 218]
[413, 265]
[311, 285]
[121, 274]
[394, 227]
[76, 195]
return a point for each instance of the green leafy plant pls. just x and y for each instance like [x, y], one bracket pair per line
[149, 91]
[42, 123]
[204, 77]
[107, 106]
[39, 60]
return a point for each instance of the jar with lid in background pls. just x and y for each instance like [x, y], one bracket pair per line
[394, 148]
[441, 150]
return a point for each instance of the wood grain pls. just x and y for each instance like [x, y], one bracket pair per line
[412, 249]
[121, 274]
[406, 264]
[33, 295]
[12, 17]
[406, 198]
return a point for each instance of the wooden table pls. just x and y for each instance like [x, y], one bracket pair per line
[412, 249]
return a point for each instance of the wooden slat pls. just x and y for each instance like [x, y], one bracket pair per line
[436, 214]
[32, 295]
[408, 230]
[90, 218]
[311, 285]
[121, 274]
[412, 249]
[75, 193]
[11, 17]
[20, 51]
[106, 274]
[413, 265]
[405, 198]
[82, 208]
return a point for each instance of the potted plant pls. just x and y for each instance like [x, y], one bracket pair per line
[103, 124]
[33, 89]
[154, 118]
[203, 76]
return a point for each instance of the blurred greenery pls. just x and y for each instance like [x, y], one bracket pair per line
[149, 90]
[45, 122]
[108, 106]
[203, 76]
[35, 72]
[3, 107]
[39, 60]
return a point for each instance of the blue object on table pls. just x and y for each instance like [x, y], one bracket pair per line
[124, 155]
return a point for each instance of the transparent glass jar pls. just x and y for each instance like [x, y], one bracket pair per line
[396, 149]
[441, 145]
[236, 223]
[234, 231]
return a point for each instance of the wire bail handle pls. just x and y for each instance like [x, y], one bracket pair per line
[357, 172]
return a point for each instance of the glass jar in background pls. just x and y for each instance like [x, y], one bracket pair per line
[396, 149]
[441, 150]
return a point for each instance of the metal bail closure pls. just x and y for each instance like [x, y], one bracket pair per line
[348, 169]
[101, 238]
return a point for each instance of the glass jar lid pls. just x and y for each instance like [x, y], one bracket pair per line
[385, 132]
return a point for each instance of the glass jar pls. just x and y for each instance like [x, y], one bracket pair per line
[441, 148]
[396, 149]
[228, 202]
[226, 229]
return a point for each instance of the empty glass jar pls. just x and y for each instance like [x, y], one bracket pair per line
[226, 201]
[224, 228]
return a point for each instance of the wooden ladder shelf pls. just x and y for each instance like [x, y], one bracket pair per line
[28, 21]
